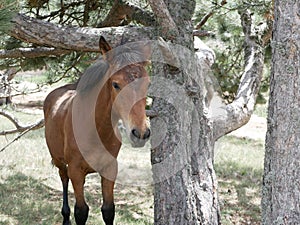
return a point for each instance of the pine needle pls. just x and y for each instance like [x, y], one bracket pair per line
[8, 8]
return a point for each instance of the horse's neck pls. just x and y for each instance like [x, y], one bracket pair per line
[103, 114]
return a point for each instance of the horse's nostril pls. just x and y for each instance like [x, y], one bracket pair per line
[136, 133]
[147, 133]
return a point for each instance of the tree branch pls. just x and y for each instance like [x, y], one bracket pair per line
[239, 111]
[24, 131]
[19, 127]
[32, 52]
[82, 39]
[202, 33]
[168, 26]
[124, 11]
[10, 73]
[64, 39]
[210, 14]
[11, 118]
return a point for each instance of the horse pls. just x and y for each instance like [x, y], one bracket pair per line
[116, 70]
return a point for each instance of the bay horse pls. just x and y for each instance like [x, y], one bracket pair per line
[115, 71]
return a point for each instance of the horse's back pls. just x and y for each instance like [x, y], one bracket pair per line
[57, 105]
[58, 99]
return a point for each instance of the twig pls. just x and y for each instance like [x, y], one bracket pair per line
[11, 118]
[25, 130]
[19, 127]
[209, 14]
[202, 33]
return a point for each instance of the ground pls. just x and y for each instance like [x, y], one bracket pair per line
[30, 188]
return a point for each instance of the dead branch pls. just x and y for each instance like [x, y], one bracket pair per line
[239, 111]
[11, 118]
[11, 73]
[24, 131]
[202, 33]
[83, 39]
[19, 127]
[32, 52]
[210, 14]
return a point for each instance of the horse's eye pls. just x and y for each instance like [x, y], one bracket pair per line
[116, 86]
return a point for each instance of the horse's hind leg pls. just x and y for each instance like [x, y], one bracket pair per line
[108, 207]
[63, 173]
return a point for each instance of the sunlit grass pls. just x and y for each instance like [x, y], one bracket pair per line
[239, 167]
[261, 110]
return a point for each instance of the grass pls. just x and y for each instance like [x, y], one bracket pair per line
[239, 168]
[37, 77]
[30, 189]
[261, 110]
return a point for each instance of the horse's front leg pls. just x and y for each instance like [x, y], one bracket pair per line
[65, 211]
[108, 207]
[81, 209]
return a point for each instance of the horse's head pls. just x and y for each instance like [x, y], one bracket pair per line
[128, 87]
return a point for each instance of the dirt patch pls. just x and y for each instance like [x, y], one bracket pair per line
[255, 129]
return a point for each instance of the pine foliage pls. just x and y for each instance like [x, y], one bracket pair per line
[227, 38]
[8, 8]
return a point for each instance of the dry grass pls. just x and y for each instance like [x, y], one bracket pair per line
[30, 188]
[239, 167]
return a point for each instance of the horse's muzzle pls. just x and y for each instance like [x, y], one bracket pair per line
[138, 139]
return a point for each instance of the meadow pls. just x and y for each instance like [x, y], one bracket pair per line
[30, 188]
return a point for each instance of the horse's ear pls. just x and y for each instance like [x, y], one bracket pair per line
[104, 46]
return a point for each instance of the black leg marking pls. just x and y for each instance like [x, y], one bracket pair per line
[66, 214]
[108, 214]
[65, 211]
[81, 214]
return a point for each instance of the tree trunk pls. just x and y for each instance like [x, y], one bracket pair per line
[281, 183]
[185, 183]
[184, 131]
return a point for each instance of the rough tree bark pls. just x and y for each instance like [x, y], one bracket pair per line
[281, 183]
[185, 182]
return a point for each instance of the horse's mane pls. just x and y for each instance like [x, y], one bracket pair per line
[117, 58]
[128, 54]
[92, 76]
